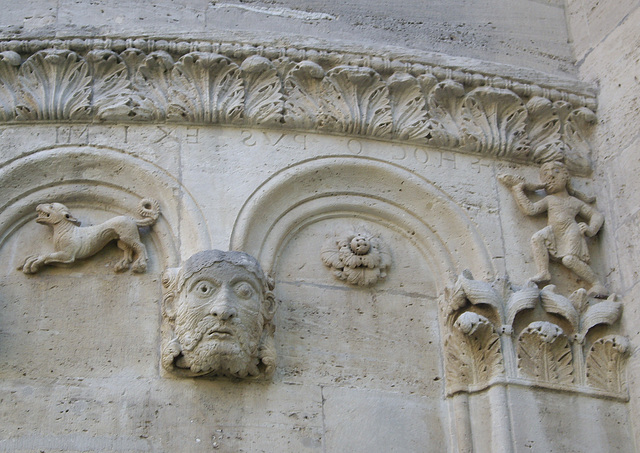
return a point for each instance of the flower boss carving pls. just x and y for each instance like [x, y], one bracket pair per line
[218, 310]
[359, 258]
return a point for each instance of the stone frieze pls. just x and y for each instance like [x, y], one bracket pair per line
[134, 80]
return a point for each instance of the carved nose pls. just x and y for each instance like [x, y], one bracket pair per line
[223, 312]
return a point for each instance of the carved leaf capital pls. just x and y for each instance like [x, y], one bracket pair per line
[473, 354]
[544, 353]
[605, 363]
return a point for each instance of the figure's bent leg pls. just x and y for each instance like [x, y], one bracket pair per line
[540, 257]
[584, 271]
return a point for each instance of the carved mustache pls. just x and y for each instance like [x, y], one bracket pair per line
[210, 326]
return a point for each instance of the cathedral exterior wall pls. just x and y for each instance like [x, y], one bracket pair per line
[393, 183]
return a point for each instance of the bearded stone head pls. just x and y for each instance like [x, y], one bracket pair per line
[218, 308]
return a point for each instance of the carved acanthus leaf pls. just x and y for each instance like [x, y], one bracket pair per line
[264, 102]
[9, 63]
[493, 123]
[55, 85]
[559, 305]
[605, 363]
[544, 353]
[526, 298]
[440, 107]
[408, 108]
[580, 299]
[207, 88]
[304, 85]
[604, 312]
[576, 125]
[473, 356]
[543, 130]
[444, 102]
[111, 87]
[153, 80]
[356, 101]
[478, 292]
[467, 290]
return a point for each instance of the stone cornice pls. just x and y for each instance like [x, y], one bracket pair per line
[138, 80]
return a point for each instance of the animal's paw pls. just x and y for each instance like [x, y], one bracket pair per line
[32, 264]
[139, 267]
[122, 265]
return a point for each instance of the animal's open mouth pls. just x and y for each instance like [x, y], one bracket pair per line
[42, 217]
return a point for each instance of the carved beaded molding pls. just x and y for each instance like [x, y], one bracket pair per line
[134, 80]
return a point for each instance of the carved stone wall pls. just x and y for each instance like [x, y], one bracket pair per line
[362, 178]
[606, 48]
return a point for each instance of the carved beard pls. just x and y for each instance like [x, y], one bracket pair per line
[203, 354]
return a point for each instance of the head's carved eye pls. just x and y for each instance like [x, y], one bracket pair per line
[244, 290]
[204, 289]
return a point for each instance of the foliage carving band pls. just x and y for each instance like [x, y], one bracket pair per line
[348, 94]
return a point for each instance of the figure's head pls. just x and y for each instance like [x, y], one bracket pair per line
[54, 213]
[220, 305]
[555, 176]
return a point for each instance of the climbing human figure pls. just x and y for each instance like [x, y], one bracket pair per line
[563, 238]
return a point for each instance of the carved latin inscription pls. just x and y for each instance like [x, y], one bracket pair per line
[218, 310]
[72, 242]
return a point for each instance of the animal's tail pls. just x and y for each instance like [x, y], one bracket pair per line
[149, 209]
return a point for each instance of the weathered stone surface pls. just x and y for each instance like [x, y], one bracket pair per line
[480, 29]
[360, 421]
[607, 49]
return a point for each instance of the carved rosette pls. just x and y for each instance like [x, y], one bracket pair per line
[135, 80]
[358, 258]
[542, 353]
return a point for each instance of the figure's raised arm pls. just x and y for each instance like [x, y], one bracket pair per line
[518, 186]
